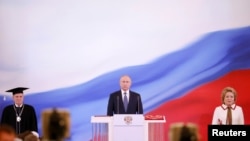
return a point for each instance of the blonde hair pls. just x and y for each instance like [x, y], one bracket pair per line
[228, 89]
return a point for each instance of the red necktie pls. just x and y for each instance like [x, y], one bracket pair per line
[229, 116]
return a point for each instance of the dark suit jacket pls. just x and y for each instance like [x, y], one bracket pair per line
[115, 104]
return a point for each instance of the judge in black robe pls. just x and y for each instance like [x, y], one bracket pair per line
[21, 117]
[28, 120]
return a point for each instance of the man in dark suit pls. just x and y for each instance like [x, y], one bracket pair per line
[20, 116]
[124, 101]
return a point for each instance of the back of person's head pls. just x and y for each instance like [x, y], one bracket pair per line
[55, 124]
[28, 136]
[23, 134]
[31, 137]
[7, 133]
[187, 134]
[183, 132]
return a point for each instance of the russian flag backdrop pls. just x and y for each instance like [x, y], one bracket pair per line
[180, 55]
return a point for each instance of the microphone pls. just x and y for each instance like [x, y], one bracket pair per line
[138, 102]
[117, 101]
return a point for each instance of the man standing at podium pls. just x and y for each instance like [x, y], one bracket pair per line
[124, 101]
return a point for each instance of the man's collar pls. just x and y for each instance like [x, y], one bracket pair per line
[127, 92]
[19, 106]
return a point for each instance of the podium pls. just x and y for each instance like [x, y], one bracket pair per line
[128, 127]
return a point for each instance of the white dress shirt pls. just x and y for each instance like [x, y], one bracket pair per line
[19, 105]
[220, 113]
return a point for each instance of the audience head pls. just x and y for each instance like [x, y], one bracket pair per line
[183, 132]
[29, 136]
[7, 133]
